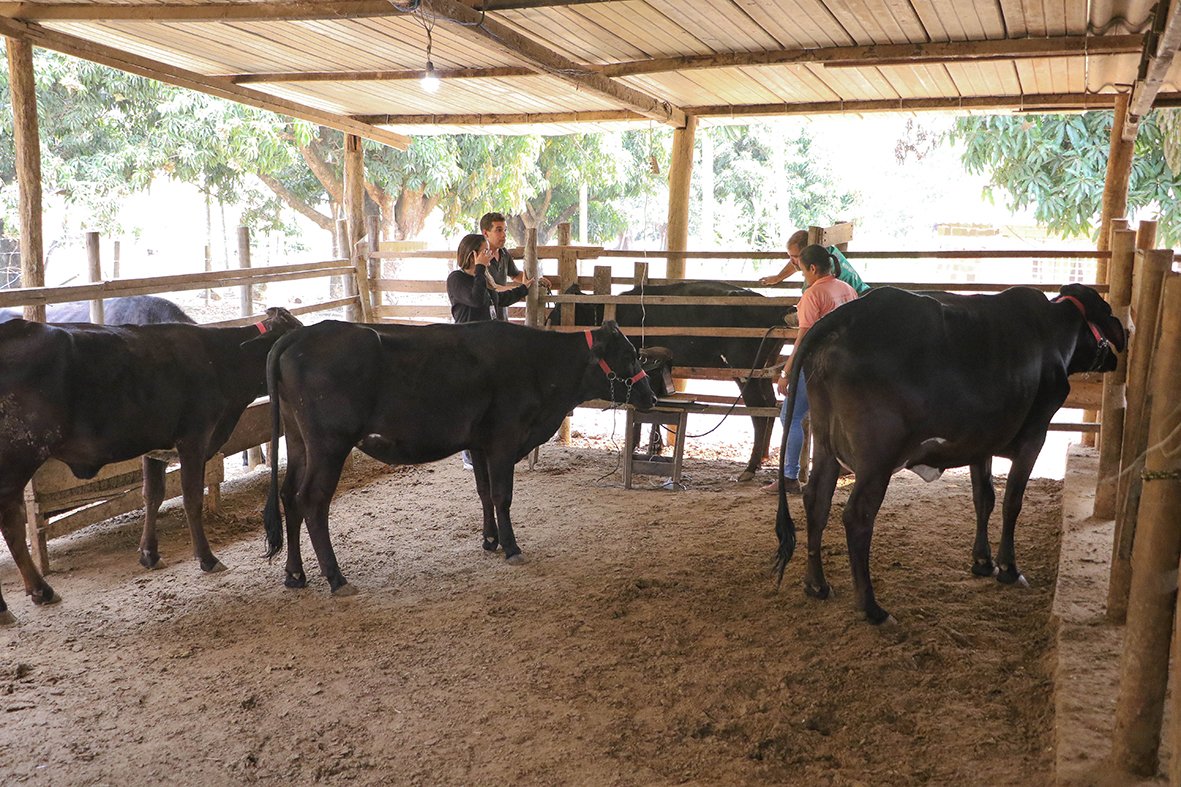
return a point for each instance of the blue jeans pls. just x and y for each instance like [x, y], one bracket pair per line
[795, 433]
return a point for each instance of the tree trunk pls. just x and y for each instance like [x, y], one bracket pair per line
[411, 210]
[300, 206]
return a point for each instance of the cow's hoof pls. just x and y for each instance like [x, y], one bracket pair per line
[984, 568]
[491, 544]
[822, 592]
[151, 562]
[7, 618]
[516, 560]
[344, 591]
[41, 599]
[216, 567]
[746, 475]
[1009, 575]
[296, 581]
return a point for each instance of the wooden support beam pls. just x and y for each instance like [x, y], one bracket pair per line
[505, 119]
[380, 76]
[1031, 102]
[474, 24]
[354, 205]
[1157, 58]
[214, 86]
[889, 54]
[1111, 433]
[26, 135]
[201, 12]
[680, 176]
[1119, 172]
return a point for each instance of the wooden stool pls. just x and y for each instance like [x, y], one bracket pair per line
[647, 464]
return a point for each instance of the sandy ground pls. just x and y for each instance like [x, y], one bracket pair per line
[641, 644]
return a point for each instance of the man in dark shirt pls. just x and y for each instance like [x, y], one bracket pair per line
[502, 266]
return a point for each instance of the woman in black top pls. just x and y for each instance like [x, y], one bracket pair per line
[474, 294]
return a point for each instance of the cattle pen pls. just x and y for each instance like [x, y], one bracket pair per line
[412, 296]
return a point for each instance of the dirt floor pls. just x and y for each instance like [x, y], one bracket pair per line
[641, 644]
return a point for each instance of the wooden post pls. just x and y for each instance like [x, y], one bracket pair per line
[640, 274]
[680, 174]
[1115, 186]
[1175, 710]
[1112, 423]
[253, 454]
[208, 267]
[533, 311]
[116, 261]
[1092, 416]
[1151, 604]
[567, 275]
[1146, 234]
[95, 268]
[374, 265]
[603, 287]
[354, 188]
[1151, 268]
[26, 136]
[348, 284]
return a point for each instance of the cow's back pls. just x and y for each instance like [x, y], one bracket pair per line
[129, 310]
[736, 352]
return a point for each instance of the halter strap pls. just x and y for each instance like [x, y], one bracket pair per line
[262, 327]
[607, 370]
[1099, 338]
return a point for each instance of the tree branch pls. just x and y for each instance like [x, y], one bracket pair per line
[285, 194]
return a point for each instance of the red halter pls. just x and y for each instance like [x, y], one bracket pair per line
[607, 370]
[1099, 338]
[262, 327]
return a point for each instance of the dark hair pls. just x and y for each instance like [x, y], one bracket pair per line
[470, 244]
[799, 239]
[820, 258]
[488, 219]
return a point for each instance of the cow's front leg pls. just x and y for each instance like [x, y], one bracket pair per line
[153, 470]
[984, 500]
[817, 507]
[1006, 558]
[500, 477]
[758, 392]
[12, 523]
[192, 484]
[484, 490]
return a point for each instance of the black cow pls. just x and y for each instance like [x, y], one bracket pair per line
[407, 395]
[927, 382]
[129, 310]
[90, 395]
[738, 353]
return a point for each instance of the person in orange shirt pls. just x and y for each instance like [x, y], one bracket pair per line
[824, 293]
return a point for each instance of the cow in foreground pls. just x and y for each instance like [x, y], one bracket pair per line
[89, 395]
[741, 354]
[928, 382]
[128, 310]
[408, 395]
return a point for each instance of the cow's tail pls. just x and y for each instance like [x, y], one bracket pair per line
[272, 515]
[785, 528]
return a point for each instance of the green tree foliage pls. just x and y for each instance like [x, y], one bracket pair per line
[1057, 164]
[749, 171]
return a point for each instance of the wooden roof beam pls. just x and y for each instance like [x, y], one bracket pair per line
[380, 76]
[476, 25]
[1041, 102]
[502, 119]
[295, 10]
[889, 54]
[214, 86]
[1159, 48]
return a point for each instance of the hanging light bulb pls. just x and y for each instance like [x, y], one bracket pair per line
[430, 81]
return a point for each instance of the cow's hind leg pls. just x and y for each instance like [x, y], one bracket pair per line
[817, 506]
[860, 513]
[12, 523]
[758, 393]
[1006, 558]
[484, 490]
[984, 500]
[192, 484]
[293, 514]
[320, 478]
[153, 470]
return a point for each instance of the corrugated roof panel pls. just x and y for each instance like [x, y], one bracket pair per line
[793, 84]
[646, 28]
[855, 84]
[919, 81]
[571, 34]
[722, 26]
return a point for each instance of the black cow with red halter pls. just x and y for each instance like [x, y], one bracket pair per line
[898, 380]
[408, 395]
[89, 395]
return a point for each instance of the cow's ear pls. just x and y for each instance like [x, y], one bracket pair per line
[1113, 330]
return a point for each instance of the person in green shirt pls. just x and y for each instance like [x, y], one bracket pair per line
[795, 244]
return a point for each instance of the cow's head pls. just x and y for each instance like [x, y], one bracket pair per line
[584, 313]
[616, 370]
[277, 322]
[1101, 331]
